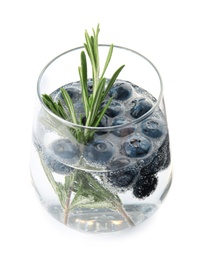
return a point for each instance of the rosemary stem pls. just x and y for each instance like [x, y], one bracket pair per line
[124, 214]
[66, 210]
[68, 198]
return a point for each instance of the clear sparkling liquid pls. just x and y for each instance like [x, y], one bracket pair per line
[131, 210]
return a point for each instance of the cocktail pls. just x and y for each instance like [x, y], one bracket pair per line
[101, 158]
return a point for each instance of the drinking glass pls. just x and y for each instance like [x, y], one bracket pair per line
[106, 178]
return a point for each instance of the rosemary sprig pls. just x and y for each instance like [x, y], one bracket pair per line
[81, 189]
[56, 108]
[92, 103]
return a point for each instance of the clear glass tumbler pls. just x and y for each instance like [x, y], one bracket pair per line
[120, 174]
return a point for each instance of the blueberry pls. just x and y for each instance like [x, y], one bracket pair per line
[113, 110]
[79, 108]
[144, 186]
[141, 106]
[99, 151]
[136, 146]
[120, 91]
[57, 166]
[63, 149]
[159, 162]
[124, 130]
[121, 179]
[104, 121]
[153, 128]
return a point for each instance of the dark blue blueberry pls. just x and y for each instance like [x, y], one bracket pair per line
[159, 162]
[124, 130]
[144, 186]
[121, 179]
[153, 128]
[79, 108]
[141, 106]
[57, 166]
[113, 110]
[104, 121]
[136, 146]
[99, 151]
[64, 150]
[53, 164]
[120, 91]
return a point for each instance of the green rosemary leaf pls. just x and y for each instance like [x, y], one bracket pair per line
[83, 79]
[90, 101]
[99, 93]
[90, 51]
[96, 102]
[47, 98]
[108, 59]
[95, 47]
[86, 48]
[79, 201]
[101, 113]
[48, 101]
[92, 44]
[96, 38]
[84, 68]
[93, 194]
[94, 53]
[61, 110]
[69, 104]
[51, 104]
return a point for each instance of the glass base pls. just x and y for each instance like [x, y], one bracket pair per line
[104, 220]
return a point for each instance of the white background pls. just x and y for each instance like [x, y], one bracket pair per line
[34, 32]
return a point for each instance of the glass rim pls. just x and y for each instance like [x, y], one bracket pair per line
[104, 128]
